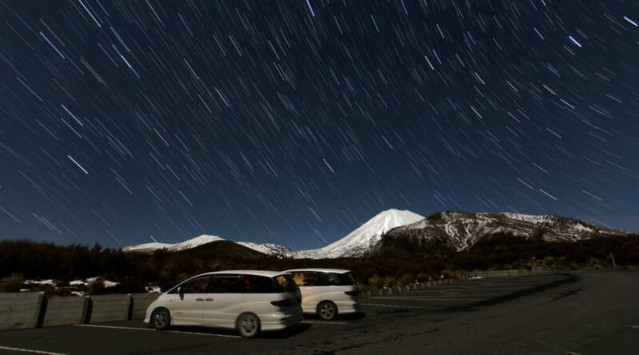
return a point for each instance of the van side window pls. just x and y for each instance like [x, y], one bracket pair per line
[306, 278]
[258, 284]
[226, 284]
[322, 279]
[327, 279]
[310, 279]
[285, 283]
[196, 285]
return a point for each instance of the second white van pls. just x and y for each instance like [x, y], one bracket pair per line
[327, 292]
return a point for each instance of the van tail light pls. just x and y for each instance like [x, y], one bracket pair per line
[352, 293]
[282, 303]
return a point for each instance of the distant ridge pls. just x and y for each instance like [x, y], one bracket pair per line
[356, 244]
[269, 249]
[457, 230]
[462, 230]
[147, 247]
[187, 244]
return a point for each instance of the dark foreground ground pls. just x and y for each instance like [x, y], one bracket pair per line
[580, 313]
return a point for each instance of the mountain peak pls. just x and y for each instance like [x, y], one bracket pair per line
[365, 238]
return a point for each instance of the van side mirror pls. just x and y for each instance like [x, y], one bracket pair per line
[181, 292]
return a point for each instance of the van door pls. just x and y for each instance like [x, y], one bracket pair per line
[187, 301]
[223, 301]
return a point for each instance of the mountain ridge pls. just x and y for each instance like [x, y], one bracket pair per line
[356, 244]
[458, 230]
[461, 230]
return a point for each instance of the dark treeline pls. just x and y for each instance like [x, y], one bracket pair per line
[391, 265]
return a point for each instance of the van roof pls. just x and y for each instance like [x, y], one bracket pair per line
[267, 273]
[337, 271]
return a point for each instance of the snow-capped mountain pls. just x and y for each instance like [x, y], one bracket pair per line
[458, 230]
[364, 239]
[358, 243]
[461, 230]
[268, 248]
[146, 247]
[195, 242]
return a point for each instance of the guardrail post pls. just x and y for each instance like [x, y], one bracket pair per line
[129, 307]
[86, 310]
[38, 313]
[41, 310]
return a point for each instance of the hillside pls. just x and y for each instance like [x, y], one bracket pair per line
[462, 230]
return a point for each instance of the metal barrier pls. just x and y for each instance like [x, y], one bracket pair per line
[20, 310]
[23, 310]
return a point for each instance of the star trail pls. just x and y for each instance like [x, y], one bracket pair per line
[294, 122]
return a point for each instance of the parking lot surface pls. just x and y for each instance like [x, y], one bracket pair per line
[583, 313]
[467, 293]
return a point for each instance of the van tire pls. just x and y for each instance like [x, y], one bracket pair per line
[327, 310]
[161, 319]
[248, 325]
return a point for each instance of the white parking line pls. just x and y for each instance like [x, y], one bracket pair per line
[306, 321]
[390, 305]
[23, 350]
[424, 299]
[111, 327]
[153, 330]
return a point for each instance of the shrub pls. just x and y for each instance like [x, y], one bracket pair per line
[96, 286]
[375, 281]
[12, 283]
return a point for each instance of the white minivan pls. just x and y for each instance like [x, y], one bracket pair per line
[327, 292]
[246, 300]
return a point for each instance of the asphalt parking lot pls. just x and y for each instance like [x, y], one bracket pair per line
[505, 315]
[468, 293]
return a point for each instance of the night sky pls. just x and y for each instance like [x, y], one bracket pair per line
[294, 122]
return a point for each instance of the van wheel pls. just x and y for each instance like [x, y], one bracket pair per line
[327, 310]
[248, 325]
[161, 319]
